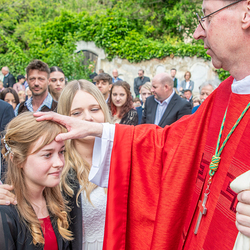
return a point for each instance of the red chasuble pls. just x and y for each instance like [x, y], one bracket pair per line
[158, 176]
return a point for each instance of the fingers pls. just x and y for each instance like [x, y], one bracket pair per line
[243, 208]
[66, 136]
[244, 197]
[51, 116]
[243, 229]
[243, 220]
[243, 213]
[6, 197]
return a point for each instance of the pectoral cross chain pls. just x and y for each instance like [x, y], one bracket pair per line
[203, 211]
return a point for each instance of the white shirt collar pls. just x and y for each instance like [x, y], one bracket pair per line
[241, 87]
[167, 101]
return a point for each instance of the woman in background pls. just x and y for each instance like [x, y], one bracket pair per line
[19, 85]
[121, 104]
[56, 82]
[35, 162]
[10, 95]
[187, 83]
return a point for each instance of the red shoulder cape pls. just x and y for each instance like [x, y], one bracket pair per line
[152, 179]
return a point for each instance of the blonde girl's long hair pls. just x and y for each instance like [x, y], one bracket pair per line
[21, 134]
[72, 157]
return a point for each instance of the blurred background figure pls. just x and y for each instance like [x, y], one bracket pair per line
[56, 82]
[22, 96]
[136, 102]
[196, 101]
[139, 81]
[187, 83]
[176, 81]
[145, 93]
[10, 96]
[205, 90]
[104, 83]
[6, 115]
[8, 80]
[115, 77]
[93, 73]
[1, 86]
[19, 85]
[188, 95]
[165, 106]
[100, 71]
[121, 104]
[28, 93]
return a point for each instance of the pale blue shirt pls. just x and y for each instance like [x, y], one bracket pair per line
[47, 102]
[161, 107]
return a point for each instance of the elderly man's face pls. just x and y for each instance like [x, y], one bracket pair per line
[115, 73]
[221, 32]
[4, 72]
[205, 92]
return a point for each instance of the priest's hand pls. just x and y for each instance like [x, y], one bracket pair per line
[77, 128]
[6, 197]
[243, 213]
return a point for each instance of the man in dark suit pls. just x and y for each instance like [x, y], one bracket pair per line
[139, 81]
[188, 95]
[6, 115]
[165, 106]
[8, 80]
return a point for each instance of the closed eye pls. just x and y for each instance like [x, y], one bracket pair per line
[47, 155]
[76, 113]
[62, 151]
[95, 109]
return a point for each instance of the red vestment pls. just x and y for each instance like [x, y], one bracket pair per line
[158, 176]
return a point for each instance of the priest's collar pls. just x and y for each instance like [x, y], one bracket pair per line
[241, 87]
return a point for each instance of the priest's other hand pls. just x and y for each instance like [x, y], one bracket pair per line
[77, 128]
[243, 213]
[6, 197]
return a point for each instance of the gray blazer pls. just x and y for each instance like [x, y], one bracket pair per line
[191, 85]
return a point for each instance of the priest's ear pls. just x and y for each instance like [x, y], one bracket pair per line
[246, 15]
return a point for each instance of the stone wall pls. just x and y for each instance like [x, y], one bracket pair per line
[200, 69]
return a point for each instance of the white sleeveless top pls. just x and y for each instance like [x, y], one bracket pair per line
[93, 219]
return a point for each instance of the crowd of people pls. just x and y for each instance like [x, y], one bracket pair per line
[124, 108]
[77, 178]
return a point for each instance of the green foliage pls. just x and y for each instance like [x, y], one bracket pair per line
[223, 74]
[116, 35]
[135, 30]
